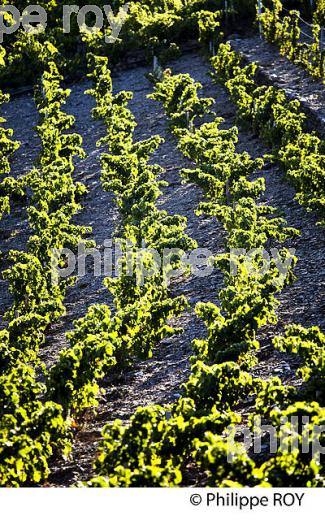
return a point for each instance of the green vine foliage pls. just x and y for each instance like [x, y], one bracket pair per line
[32, 428]
[285, 32]
[7, 149]
[143, 306]
[309, 345]
[280, 122]
[152, 28]
[161, 444]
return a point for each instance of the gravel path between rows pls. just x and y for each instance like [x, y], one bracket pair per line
[158, 380]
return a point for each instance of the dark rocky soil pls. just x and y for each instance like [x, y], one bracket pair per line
[158, 380]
